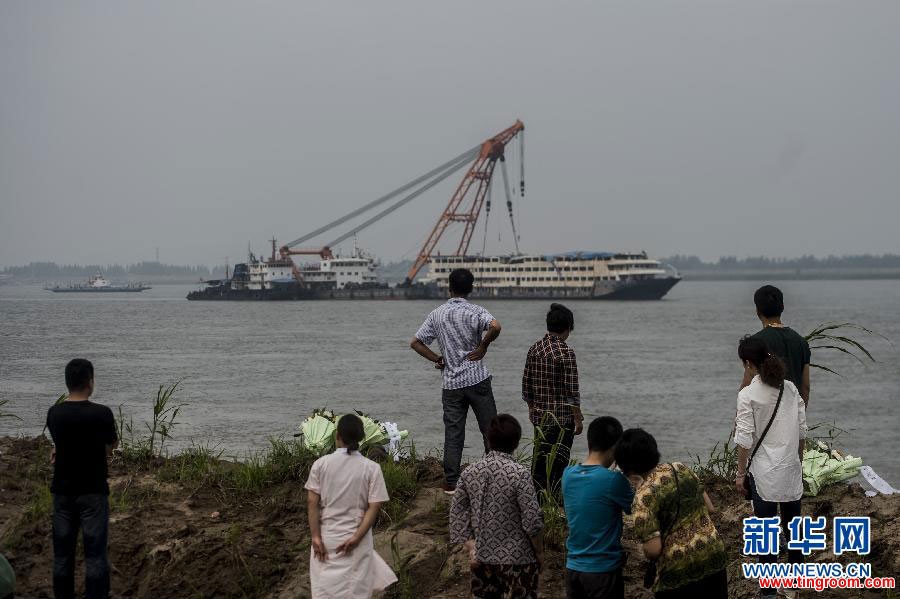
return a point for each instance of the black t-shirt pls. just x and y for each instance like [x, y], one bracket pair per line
[81, 430]
[790, 346]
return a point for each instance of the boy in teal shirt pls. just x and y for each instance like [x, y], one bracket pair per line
[595, 498]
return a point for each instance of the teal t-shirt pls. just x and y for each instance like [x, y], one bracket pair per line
[595, 498]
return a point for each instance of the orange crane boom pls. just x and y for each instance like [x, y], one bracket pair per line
[477, 178]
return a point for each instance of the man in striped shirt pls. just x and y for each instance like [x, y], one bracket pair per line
[550, 388]
[464, 331]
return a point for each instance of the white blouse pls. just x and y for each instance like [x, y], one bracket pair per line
[776, 468]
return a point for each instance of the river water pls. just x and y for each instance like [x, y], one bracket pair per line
[252, 370]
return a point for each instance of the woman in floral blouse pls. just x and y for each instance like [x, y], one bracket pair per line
[671, 518]
[495, 514]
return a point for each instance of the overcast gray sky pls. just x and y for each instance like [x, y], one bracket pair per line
[711, 128]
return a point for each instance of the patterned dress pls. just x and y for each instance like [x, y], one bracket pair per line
[692, 549]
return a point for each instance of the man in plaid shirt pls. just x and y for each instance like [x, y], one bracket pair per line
[550, 388]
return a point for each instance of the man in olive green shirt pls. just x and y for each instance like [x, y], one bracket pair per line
[782, 341]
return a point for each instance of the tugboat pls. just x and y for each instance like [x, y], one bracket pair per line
[97, 284]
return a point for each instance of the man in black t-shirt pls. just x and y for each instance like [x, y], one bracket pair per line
[782, 341]
[84, 434]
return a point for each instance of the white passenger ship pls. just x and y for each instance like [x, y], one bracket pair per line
[587, 275]
[340, 272]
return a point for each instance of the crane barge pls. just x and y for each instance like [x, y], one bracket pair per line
[585, 275]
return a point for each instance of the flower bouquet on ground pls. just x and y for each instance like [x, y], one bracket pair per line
[823, 466]
[318, 431]
[386, 435]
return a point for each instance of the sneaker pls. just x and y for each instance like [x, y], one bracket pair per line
[448, 489]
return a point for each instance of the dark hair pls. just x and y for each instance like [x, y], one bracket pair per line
[351, 431]
[560, 319]
[636, 452]
[461, 281]
[504, 433]
[769, 301]
[79, 373]
[603, 433]
[771, 368]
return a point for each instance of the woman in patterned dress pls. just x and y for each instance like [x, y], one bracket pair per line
[671, 518]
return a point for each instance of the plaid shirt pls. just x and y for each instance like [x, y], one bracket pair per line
[550, 381]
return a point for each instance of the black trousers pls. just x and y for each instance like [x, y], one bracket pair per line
[552, 447]
[456, 402]
[595, 585]
[714, 586]
[769, 509]
[90, 515]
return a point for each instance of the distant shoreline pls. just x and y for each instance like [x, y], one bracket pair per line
[791, 275]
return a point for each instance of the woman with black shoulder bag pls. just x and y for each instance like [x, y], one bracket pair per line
[770, 428]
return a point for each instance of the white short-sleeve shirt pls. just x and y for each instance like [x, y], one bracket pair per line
[347, 483]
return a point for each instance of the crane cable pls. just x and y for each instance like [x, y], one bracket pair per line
[522, 162]
[463, 158]
[451, 167]
[509, 205]
[487, 215]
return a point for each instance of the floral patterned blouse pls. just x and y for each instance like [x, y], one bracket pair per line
[692, 549]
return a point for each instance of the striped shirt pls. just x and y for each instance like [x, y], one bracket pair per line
[550, 381]
[458, 326]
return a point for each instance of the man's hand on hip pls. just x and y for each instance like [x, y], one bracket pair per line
[477, 354]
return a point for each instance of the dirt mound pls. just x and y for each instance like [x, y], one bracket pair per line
[194, 537]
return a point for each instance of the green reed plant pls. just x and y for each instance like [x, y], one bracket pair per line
[5, 414]
[720, 463]
[835, 336]
[165, 411]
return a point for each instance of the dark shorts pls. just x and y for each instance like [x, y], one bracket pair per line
[714, 586]
[505, 581]
[595, 585]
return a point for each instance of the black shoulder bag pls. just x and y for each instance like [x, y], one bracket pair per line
[650, 572]
[748, 478]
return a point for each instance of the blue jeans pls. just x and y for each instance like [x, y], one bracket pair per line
[456, 408]
[90, 515]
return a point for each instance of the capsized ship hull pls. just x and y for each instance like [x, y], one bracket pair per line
[649, 289]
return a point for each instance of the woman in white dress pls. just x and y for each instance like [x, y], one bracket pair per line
[345, 493]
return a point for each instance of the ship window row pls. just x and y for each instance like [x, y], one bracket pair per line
[525, 269]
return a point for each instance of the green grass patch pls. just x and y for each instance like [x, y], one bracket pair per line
[721, 463]
[401, 480]
[40, 506]
[194, 465]
[283, 461]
